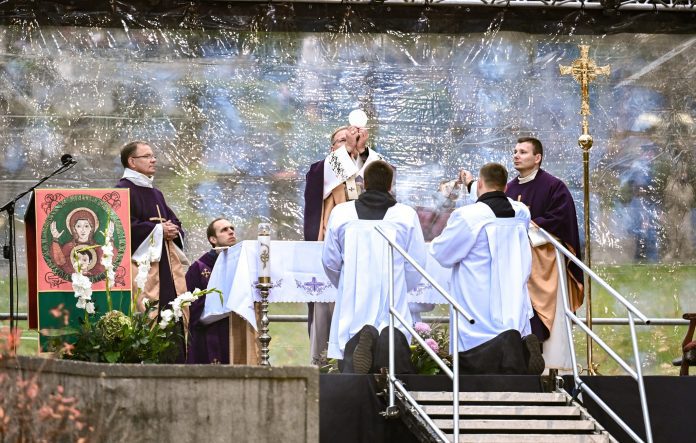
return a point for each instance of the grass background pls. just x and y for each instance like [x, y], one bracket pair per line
[659, 291]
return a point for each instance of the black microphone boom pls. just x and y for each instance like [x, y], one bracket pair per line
[67, 159]
[10, 251]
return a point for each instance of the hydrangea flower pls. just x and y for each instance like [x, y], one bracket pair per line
[114, 324]
[432, 344]
[422, 328]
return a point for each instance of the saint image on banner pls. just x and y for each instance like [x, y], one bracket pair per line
[74, 231]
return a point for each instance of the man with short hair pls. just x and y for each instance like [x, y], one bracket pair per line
[355, 260]
[552, 208]
[486, 246]
[211, 343]
[156, 234]
[340, 181]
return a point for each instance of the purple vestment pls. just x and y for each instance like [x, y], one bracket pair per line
[207, 343]
[314, 200]
[143, 206]
[314, 203]
[552, 208]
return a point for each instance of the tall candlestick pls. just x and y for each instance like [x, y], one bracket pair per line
[263, 285]
[264, 261]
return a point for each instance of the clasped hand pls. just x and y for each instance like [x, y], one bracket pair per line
[171, 231]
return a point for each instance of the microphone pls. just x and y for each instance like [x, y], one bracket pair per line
[67, 159]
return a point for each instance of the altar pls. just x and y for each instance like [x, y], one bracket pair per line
[297, 275]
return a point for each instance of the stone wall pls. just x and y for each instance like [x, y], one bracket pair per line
[182, 403]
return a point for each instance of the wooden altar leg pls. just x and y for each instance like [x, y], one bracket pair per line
[244, 340]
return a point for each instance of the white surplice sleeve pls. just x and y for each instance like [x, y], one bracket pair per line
[332, 254]
[417, 250]
[455, 241]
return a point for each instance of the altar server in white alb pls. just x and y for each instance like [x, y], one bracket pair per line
[336, 179]
[486, 246]
[355, 258]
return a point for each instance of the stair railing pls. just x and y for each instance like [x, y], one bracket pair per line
[453, 374]
[570, 316]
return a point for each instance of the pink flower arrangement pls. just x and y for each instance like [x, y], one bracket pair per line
[436, 339]
[432, 344]
[422, 328]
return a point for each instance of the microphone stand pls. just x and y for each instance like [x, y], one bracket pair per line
[10, 251]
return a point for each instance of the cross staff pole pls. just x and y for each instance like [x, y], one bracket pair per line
[584, 71]
[166, 242]
[171, 273]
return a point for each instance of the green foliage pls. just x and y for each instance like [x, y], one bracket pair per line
[331, 367]
[119, 338]
[437, 339]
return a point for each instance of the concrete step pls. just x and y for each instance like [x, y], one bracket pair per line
[505, 426]
[530, 438]
[514, 417]
[528, 398]
[564, 412]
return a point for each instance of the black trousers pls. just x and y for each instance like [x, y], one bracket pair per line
[503, 354]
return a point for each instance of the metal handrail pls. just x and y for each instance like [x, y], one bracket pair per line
[637, 374]
[631, 5]
[452, 374]
[302, 318]
[594, 276]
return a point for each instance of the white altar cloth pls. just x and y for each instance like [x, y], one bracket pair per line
[297, 275]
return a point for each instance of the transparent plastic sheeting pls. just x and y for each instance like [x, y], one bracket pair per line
[236, 118]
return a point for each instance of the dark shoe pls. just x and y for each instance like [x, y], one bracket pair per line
[532, 350]
[690, 358]
[364, 350]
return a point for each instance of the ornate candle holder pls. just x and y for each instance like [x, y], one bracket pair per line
[264, 285]
[264, 336]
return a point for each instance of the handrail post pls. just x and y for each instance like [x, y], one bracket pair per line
[455, 311]
[454, 336]
[391, 375]
[639, 379]
[632, 310]
[595, 277]
[566, 308]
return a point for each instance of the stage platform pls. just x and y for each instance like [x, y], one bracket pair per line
[349, 404]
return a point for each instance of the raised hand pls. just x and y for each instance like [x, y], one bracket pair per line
[363, 135]
[465, 177]
[54, 231]
[352, 137]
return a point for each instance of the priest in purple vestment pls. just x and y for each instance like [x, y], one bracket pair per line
[552, 208]
[208, 343]
[155, 230]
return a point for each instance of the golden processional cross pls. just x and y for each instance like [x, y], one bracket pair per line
[584, 70]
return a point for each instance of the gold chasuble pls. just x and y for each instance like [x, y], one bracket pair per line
[543, 284]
